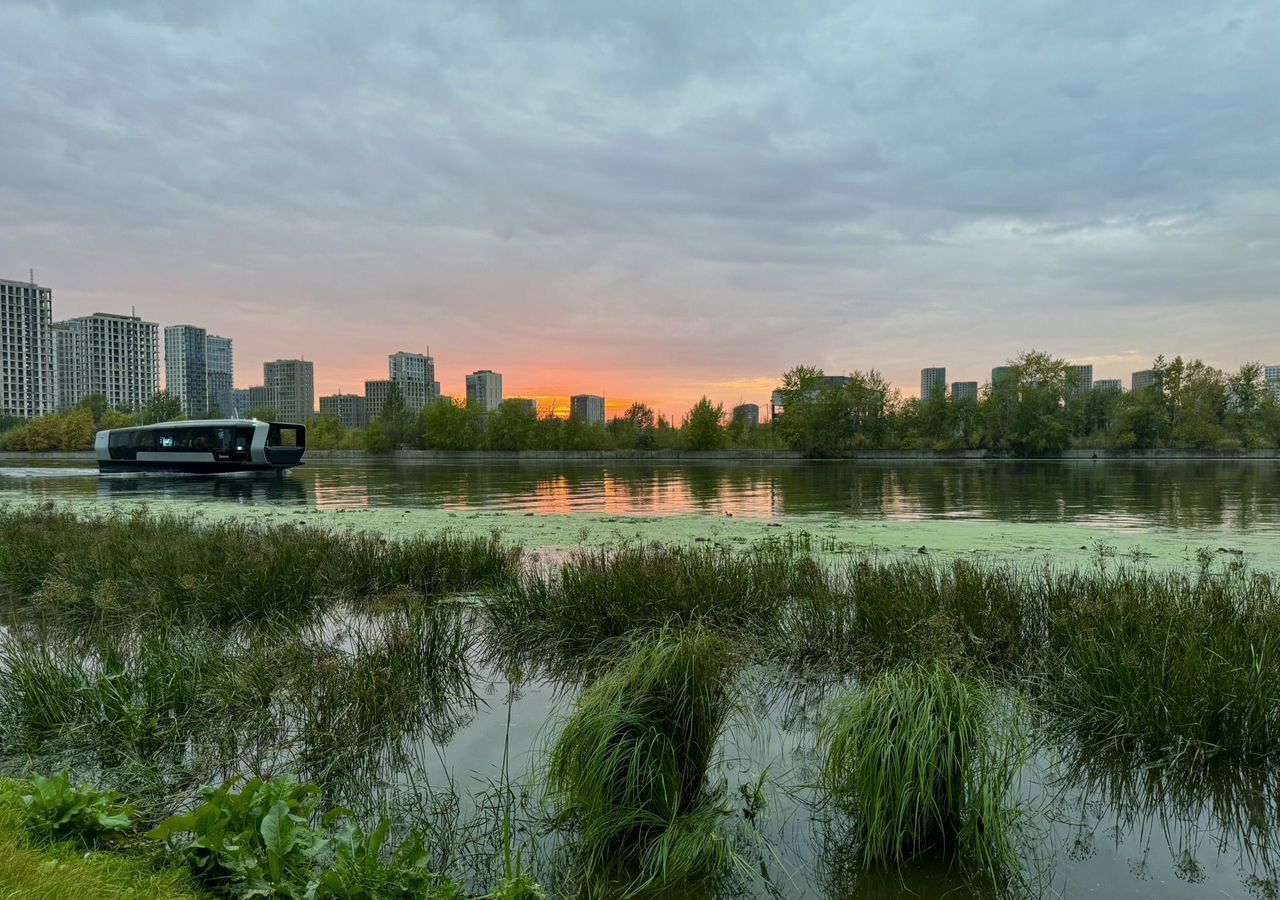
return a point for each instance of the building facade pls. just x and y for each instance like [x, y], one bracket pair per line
[64, 363]
[186, 372]
[115, 356]
[352, 410]
[587, 408]
[747, 413]
[933, 383]
[964, 390]
[292, 383]
[1079, 379]
[416, 375]
[484, 389]
[220, 365]
[1272, 375]
[28, 364]
[375, 397]
[1000, 372]
[1140, 380]
[1109, 384]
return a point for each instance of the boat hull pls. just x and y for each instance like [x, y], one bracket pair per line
[190, 467]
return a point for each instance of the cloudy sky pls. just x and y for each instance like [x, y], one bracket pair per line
[654, 199]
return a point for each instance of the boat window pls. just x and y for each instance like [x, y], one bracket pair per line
[166, 441]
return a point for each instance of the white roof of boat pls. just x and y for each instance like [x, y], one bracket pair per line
[201, 423]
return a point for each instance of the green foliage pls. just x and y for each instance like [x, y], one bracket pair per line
[254, 841]
[61, 810]
[396, 420]
[450, 425]
[924, 761]
[263, 413]
[511, 426]
[628, 773]
[360, 868]
[162, 407]
[704, 426]
[139, 564]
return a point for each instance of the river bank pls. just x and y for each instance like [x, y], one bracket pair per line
[722, 456]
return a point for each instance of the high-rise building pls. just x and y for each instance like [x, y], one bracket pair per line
[1272, 374]
[375, 397]
[1000, 372]
[1109, 384]
[186, 372]
[587, 408]
[484, 389]
[416, 375]
[1140, 380]
[292, 383]
[748, 413]
[964, 390]
[241, 402]
[933, 383]
[220, 363]
[115, 356]
[64, 363]
[352, 410]
[28, 368]
[1079, 379]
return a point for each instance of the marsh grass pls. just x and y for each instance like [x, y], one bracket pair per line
[924, 761]
[76, 567]
[630, 773]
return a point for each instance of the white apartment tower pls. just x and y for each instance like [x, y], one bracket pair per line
[484, 389]
[28, 363]
[933, 383]
[115, 356]
[186, 370]
[291, 384]
[220, 369]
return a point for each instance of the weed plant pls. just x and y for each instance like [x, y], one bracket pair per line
[629, 773]
[60, 564]
[924, 762]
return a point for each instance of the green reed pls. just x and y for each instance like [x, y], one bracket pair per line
[924, 761]
[116, 566]
[630, 772]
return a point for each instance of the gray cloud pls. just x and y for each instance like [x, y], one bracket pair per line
[697, 192]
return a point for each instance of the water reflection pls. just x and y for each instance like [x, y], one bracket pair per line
[1205, 494]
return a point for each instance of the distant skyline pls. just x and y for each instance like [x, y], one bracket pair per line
[653, 201]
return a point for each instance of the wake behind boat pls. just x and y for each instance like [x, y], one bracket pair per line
[202, 447]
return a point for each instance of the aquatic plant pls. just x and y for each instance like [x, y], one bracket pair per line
[117, 567]
[629, 771]
[924, 761]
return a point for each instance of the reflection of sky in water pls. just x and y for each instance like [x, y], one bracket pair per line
[1219, 495]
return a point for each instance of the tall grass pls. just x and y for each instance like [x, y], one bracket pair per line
[924, 762]
[110, 566]
[630, 771]
[597, 597]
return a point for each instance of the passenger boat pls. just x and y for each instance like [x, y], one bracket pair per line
[202, 447]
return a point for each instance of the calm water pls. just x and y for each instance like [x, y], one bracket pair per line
[1198, 495]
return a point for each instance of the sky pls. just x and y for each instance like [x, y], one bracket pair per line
[653, 200]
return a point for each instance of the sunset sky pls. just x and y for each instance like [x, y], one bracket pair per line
[653, 200]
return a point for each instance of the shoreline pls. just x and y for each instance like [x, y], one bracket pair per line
[723, 456]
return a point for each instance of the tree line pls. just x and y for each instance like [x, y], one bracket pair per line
[1033, 409]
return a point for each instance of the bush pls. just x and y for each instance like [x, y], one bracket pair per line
[61, 810]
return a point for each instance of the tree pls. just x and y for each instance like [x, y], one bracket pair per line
[704, 426]
[97, 406]
[450, 425]
[396, 420]
[1024, 411]
[510, 426]
[1246, 390]
[263, 413]
[634, 428]
[162, 407]
[78, 429]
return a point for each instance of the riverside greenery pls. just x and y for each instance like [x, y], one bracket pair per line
[1033, 409]
[131, 652]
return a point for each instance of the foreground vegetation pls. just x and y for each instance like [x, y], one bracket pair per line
[165, 654]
